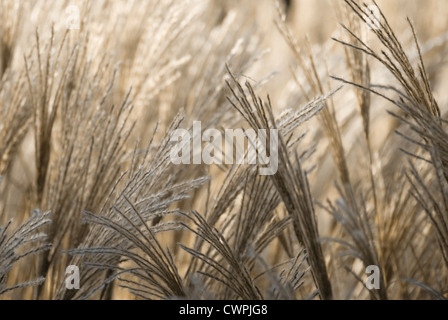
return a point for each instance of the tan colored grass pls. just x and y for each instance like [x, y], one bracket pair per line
[87, 117]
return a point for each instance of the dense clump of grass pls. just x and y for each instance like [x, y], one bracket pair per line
[87, 120]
